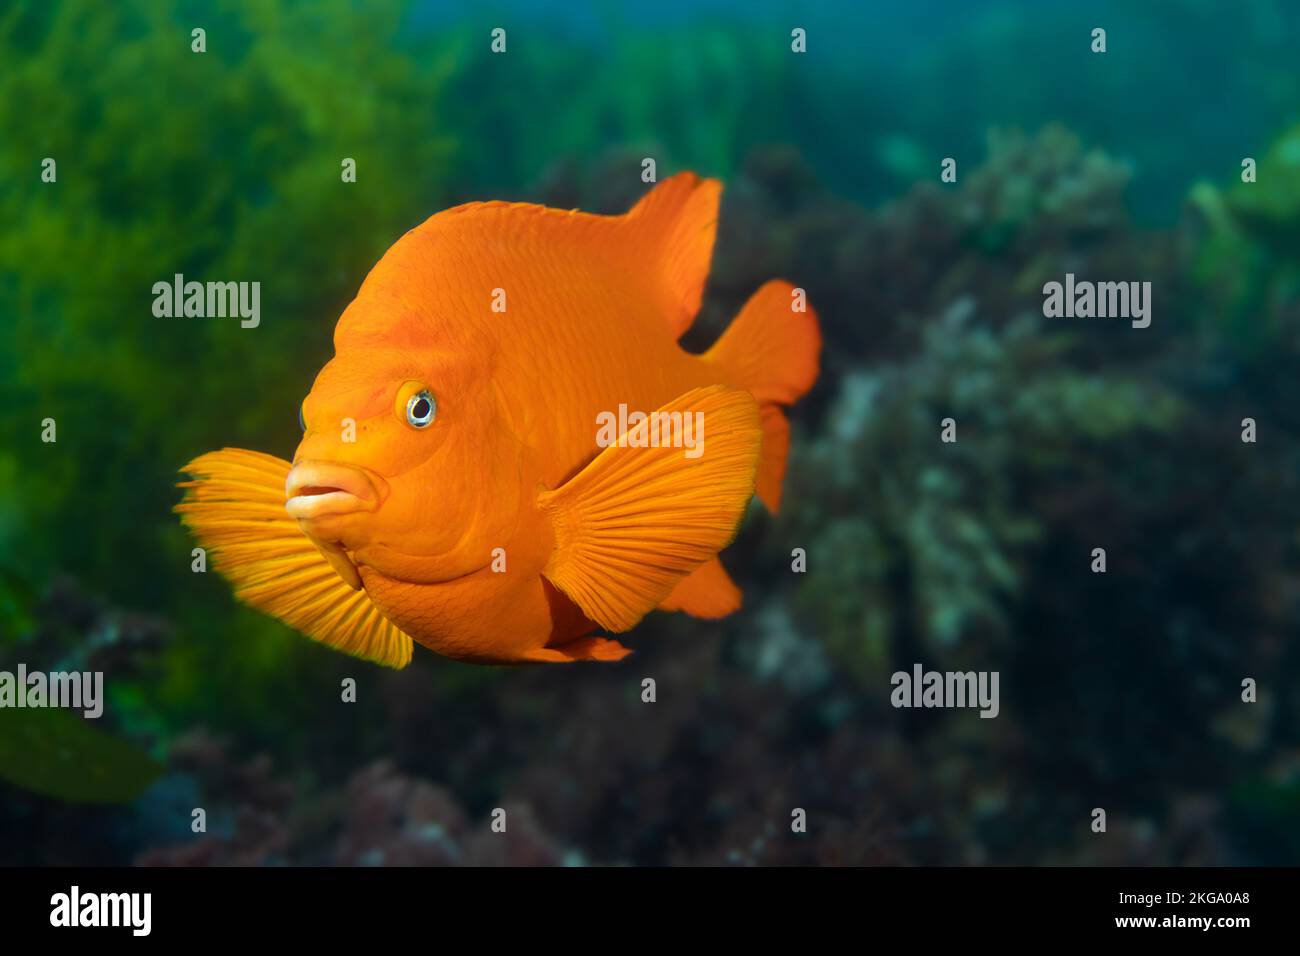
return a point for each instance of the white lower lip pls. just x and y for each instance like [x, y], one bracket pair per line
[318, 506]
[342, 490]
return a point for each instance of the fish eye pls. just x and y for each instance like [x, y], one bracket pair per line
[421, 409]
[415, 405]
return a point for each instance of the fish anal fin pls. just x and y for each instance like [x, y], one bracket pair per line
[771, 465]
[638, 519]
[707, 592]
[234, 506]
[676, 224]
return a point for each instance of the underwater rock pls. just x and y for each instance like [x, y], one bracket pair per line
[777, 651]
[247, 808]
[391, 820]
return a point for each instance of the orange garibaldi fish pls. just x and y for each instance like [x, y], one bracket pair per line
[453, 487]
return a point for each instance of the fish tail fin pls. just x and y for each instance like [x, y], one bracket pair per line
[676, 223]
[234, 506]
[772, 349]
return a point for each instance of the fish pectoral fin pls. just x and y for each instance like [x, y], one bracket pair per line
[638, 519]
[235, 508]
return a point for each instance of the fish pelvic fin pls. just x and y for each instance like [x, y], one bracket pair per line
[638, 519]
[676, 224]
[772, 348]
[582, 649]
[234, 506]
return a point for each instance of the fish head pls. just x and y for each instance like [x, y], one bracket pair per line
[403, 468]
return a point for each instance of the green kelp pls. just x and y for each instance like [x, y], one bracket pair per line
[222, 165]
[282, 95]
[16, 603]
[1242, 242]
[62, 755]
[629, 91]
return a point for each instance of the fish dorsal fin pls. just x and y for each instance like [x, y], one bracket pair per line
[638, 519]
[676, 223]
[235, 508]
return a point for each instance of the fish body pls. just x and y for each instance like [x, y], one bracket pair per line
[509, 451]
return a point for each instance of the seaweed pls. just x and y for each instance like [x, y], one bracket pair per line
[59, 754]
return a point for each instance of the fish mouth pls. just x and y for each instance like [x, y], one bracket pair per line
[317, 489]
